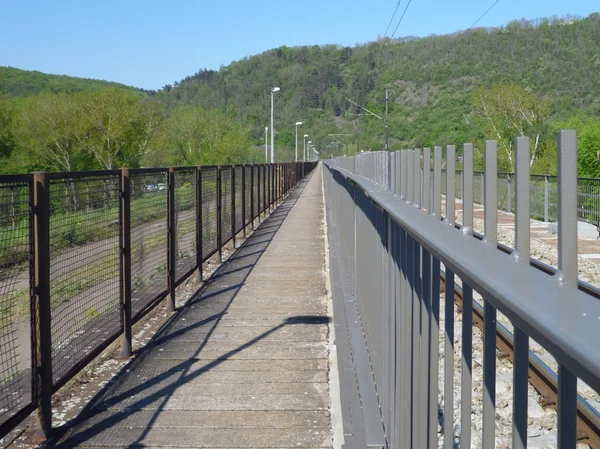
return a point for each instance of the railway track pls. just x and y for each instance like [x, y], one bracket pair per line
[541, 376]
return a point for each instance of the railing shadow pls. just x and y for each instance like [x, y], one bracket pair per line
[211, 293]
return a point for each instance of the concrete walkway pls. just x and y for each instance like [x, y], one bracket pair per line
[244, 363]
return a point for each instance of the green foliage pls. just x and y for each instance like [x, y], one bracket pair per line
[588, 143]
[194, 136]
[432, 81]
[25, 83]
[507, 110]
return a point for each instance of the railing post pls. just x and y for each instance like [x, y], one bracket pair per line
[171, 239]
[244, 199]
[509, 195]
[546, 199]
[199, 255]
[232, 168]
[219, 224]
[264, 190]
[41, 311]
[125, 220]
[252, 195]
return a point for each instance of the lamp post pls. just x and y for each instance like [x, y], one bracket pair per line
[266, 144]
[304, 154]
[297, 124]
[308, 150]
[273, 90]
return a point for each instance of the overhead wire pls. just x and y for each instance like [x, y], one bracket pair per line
[480, 17]
[401, 17]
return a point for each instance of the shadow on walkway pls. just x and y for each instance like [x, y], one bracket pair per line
[174, 356]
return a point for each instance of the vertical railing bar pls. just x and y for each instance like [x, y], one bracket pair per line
[199, 221]
[434, 336]
[567, 274]
[467, 200]
[219, 218]
[244, 200]
[450, 184]
[449, 361]
[410, 179]
[232, 201]
[417, 178]
[171, 244]
[489, 312]
[425, 344]
[437, 182]
[41, 308]
[125, 222]
[416, 337]
[426, 180]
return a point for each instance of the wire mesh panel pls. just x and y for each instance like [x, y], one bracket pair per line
[148, 238]
[209, 211]
[225, 203]
[239, 225]
[588, 200]
[84, 267]
[506, 192]
[185, 222]
[15, 247]
[248, 193]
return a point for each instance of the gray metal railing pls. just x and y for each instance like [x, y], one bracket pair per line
[391, 250]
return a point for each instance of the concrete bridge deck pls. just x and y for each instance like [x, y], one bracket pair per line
[245, 362]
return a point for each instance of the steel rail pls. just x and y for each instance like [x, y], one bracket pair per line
[541, 376]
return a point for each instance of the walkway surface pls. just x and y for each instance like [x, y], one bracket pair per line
[245, 362]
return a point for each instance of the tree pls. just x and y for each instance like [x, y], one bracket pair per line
[193, 136]
[7, 141]
[588, 144]
[51, 131]
[508, 110]
[120, 126]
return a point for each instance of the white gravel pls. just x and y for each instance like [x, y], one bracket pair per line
[542, 428]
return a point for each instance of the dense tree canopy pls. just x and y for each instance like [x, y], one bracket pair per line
[527, 77]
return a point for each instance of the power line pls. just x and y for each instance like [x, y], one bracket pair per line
[392, 19]
[480, 17]
[402, 17]
[387, 29]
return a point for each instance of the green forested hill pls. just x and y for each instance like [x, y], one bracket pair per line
[526, 78]
[26, 83]
[432, 80]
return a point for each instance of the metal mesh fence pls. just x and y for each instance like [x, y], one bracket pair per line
[15, 343]
[226, 204]
[84, 266]
[148, 238]
[185, 222]
[248, 193]
[209, 211]
[238, 199]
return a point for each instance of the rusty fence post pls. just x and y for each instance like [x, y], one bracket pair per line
[264, 190]
[252, 195]
[244, 199]
[171, 239]
[125, 219]
[219, 224]
[199, 255]
[232, 168]
[41, 311]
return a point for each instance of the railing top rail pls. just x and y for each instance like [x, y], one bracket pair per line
[5, 179]
[559, 317]
[82, 174]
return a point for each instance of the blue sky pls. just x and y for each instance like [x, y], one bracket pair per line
[149, 43]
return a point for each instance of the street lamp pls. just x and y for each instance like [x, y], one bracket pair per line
[304, 154]
[273, 90]
[297, 124]
[266, 144]
[317, 154]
